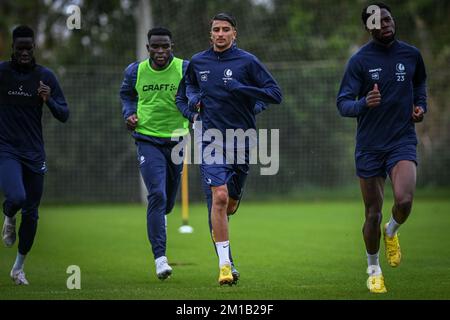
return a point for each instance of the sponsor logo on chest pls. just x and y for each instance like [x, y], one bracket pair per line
[375, 73]
[159, 87]
[19, 93]
[204, 75]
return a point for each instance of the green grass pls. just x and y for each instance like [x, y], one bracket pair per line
[289, 250]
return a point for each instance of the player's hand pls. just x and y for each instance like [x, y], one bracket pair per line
[418, 114]
[373, 98]
[195, 103]
[132, 122]
[44, 91]
[198, 106]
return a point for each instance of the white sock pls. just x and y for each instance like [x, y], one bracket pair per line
[20, 260]
[223, 252]
[374, 270]
[9, 220]
[372, 259]
[161, 260]
[373, 264]
[392, 227]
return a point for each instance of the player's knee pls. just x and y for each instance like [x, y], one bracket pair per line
[17, 200]
[373, 217]
[158, 196]
[373, 208]
[220, 197]
[404, 204]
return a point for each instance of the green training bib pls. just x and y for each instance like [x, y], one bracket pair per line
[157, 112]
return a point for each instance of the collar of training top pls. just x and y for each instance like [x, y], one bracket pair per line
[225, 53]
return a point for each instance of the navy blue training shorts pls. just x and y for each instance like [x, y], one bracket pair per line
[380, 163]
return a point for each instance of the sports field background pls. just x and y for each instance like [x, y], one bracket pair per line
[297, 234]
[284, 250]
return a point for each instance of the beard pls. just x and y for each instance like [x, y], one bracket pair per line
[387, 40]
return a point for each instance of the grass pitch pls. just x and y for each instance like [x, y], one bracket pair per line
[284, 250]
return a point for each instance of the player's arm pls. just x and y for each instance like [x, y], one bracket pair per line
[193, 92]
[182, 102]
[265, 88]
[420, 90]
[51, 93]
[348, 101]
[259, 107]
[129, 96]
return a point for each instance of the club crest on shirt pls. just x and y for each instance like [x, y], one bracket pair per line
[401, 72]
[400, 68]
[228, 73]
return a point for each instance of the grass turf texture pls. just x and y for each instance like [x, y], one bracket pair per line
[311, 250]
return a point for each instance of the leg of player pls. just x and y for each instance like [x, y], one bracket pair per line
[34, 187]
[173, 179]
[153, 169]
[403, 177]
[219, 221]
[372, 191]
[235, 187]
[233, 205]
[208, 195]
[11, 182]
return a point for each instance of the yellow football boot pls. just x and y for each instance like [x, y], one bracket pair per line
[375, 284]
[392, 249]
[225, 275]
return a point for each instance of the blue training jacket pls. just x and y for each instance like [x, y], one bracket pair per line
[400, 74]
[232, 87]
[21, 111]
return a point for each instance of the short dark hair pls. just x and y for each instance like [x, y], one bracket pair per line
[224, 17]
[22, 32]
[365, 16]
[159, 31]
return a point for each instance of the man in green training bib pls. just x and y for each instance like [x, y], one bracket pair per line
[148, 106]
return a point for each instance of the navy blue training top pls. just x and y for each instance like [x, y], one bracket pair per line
[399, 71]
[230, 85]
[183, 103]
[21, 112]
